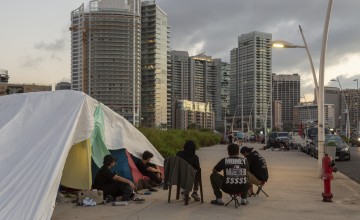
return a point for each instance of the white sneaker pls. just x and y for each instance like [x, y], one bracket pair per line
[244, 202]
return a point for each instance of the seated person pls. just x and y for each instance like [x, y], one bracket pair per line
[257, 167]
[235, 179]
[112, 184]
[148, 169]
[188, 154]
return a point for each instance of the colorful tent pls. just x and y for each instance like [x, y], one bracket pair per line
[52, 137]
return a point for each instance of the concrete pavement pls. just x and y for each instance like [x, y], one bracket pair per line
[294, 193]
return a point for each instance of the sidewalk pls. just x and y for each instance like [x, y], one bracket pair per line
[293, 187]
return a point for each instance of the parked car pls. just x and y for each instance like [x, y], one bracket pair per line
[355, 140]
[342, 149]
[281, 137]
[311, 133]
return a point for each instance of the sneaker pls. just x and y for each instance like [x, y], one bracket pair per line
[216, 202]
[183, 196]
[138, 200]
[195, 196]
[244, 202]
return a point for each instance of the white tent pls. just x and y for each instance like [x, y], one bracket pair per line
[37, 131]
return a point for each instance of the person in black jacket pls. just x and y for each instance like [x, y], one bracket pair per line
[114, 185]
[235, 178]
[188, 154]
[148, 169]
[257, 166]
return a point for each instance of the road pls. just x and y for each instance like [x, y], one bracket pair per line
[351, 168]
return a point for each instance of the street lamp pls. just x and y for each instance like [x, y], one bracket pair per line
[285, 44]
[347, 125]
[320, 88]
[357, 106]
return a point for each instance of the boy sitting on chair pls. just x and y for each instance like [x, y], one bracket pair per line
[235, 179]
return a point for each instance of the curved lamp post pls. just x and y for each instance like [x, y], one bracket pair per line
[357, 106]
[320, 88]
[285, 44]
[347, 124]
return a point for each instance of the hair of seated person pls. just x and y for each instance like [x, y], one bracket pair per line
[147, 155]
[233, 149]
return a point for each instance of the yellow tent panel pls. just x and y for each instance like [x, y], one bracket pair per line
[77, 170]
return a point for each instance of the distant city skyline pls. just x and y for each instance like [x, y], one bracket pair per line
[35, 44]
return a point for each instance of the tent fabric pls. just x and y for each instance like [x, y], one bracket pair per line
[98, 147]
[122, 164]
[136, 174]
[77, 169]
[37, 132]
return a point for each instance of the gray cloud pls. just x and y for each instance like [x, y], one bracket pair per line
[57, 45]
[30, 62]
[217, 24]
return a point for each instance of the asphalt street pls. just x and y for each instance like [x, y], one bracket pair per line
[351, 168]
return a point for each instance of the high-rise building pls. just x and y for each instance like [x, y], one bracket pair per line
[225, 94]
[253, 81]
[191, 114]
[4, 77]
[63, 86]
[305, 113]
[277, 115]
[105, 54]
[179, 81]
[198, 79]
[154, 49]
[205, 82]
[286, 88]
[332, 96]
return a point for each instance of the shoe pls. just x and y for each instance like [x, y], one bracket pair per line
[138, 200]
[195, 196]
[183, 196]
[216, 202]
[244, 202]
[153, 190]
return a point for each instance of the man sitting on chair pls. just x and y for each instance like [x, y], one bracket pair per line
[188, 154]
[257, 167]
[235, 179]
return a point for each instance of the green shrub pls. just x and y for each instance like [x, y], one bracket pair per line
[170, 141]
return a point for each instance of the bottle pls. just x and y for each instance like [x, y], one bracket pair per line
[122, 203]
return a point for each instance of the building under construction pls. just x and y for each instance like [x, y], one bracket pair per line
[106, 56]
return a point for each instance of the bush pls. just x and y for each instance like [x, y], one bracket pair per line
[170, 141]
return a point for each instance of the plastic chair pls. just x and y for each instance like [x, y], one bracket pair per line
[178, 172]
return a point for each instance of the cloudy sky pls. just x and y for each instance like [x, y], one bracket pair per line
[35, 40]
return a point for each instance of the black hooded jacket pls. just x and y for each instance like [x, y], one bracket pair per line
[188, 154]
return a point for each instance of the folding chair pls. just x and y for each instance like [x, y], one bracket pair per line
[260, 188]
[234, 197]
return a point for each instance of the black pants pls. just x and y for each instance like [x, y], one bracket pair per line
[118, 189]
[217, 180]
[197, 181]
[154, 178]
